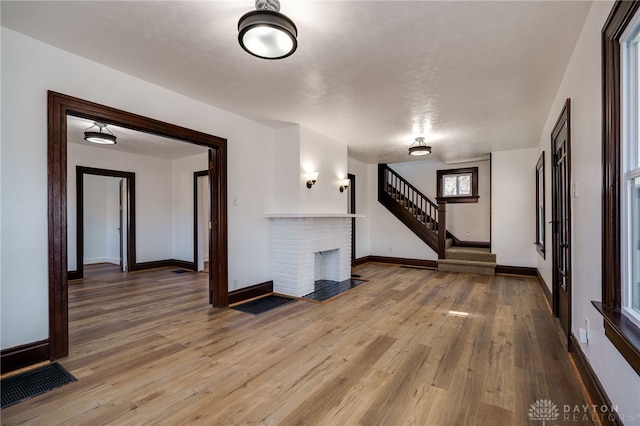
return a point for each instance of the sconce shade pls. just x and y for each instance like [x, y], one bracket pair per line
[266, 33]
[344, 184]
[99, 136]
[313, 177]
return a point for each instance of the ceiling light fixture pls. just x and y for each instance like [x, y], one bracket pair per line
[420, 149]
[266, 33]
[99, 137]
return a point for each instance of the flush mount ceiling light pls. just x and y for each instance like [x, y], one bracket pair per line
[266, 33]
[419, 148]
[99, 136]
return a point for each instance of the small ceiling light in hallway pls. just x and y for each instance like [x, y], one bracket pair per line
[419, 147]
[98, 136]
[266, 33]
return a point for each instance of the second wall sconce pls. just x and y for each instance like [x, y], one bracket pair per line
[313, 177]
[344, 184]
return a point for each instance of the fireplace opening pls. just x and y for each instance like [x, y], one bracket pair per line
[327, 265]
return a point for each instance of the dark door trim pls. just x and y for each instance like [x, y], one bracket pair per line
[131, 228]
[352, 195]
[59, 106]
[563, 120]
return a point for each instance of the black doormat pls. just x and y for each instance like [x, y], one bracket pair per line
[264, 304]
[180, 271]
[35, 382]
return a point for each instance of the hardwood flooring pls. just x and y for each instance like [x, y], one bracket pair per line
[412, 346]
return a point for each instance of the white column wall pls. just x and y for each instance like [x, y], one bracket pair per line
[513, 207]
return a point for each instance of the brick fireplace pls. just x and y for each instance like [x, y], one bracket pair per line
[306, 248]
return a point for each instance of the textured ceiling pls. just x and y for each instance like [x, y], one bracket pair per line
[472, 77]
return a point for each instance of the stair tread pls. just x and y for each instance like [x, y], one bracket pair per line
[467, 262]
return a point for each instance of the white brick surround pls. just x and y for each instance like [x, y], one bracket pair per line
[295, 241]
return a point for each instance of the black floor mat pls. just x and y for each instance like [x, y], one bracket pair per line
[35, 382]
[264, 304]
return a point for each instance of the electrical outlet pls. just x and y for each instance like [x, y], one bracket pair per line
[390, 249]
[234, 202]
[583, 336]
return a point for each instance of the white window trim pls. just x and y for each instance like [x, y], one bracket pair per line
[630, 78]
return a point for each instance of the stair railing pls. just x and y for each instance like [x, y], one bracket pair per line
[428, 213]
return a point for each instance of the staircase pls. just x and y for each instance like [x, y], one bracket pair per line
[427, 220]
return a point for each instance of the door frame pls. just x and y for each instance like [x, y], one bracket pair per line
[78, 273]
[563, 119]
[352, 195]
[59, 106]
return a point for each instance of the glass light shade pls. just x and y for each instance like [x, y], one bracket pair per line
[420, 150]
[267, 34]
[345, 182]
[313, 176]
[100, 138]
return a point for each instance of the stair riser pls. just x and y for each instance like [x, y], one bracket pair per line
[466, 269]
[476, 257]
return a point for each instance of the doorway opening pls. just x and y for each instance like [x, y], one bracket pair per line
[59, 108]
[126, 219]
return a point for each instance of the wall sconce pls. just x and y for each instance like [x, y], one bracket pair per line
[313, 177]
[344, 184]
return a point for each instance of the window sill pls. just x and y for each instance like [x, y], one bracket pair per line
[451, 200]
[623, 333]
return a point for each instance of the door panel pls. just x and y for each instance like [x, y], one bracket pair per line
[561, 208]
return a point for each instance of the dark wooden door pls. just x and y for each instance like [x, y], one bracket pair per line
[561, 220]
[351, 208]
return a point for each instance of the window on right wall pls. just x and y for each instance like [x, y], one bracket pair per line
[620, 305]
[458, 185]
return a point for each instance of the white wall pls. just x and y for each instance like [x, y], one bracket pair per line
[328, 157]
[286, 173]
[182, 203]
[25, 81]
[113, 219]
[582, 83]
[363, 232]
[298, 151]
[95, 219]
[513, 207]
[467, 221]
[153, 196]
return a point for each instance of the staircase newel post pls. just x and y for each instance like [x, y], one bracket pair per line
[442, 229]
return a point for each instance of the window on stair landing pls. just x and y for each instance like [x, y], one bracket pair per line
[458, 185]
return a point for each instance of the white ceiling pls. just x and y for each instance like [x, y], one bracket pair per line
[472, 77]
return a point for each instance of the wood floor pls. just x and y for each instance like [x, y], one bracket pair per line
[411, 346]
